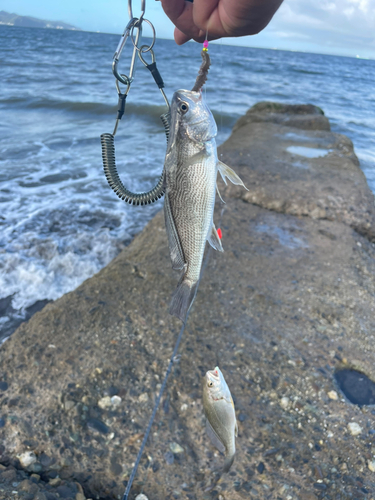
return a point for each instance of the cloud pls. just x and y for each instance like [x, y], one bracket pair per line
[345, 26]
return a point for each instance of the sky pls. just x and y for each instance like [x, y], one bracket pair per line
[342, 27]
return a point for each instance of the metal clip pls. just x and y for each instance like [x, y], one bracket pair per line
[132, 24]
[143, 9]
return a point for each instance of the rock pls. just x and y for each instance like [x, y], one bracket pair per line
[354, 428]
[284, 403]
[105, 402]
[143, 398]
[303, 116]
[40, 496]
[333, 395]
[169, 458]
[3, 385]
[55, 482]
[28, 486]
[287, 305]
[176, 448]
[116, 400]
[371, 465]
[68, 405]
[281, 186]
[27, 458]
[260, 467]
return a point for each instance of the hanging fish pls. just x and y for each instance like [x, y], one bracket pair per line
[191, 166]
[221, 421]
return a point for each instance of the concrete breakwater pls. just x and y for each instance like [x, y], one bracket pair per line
[290, 302]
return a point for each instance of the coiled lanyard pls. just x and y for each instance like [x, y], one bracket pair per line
[133, 30]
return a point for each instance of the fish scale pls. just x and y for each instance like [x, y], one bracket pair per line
[193, 211]
[191, 167]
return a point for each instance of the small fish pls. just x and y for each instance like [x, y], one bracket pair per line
[221, 418]
[191, 167]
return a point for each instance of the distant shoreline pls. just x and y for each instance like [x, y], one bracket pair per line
[11, 19]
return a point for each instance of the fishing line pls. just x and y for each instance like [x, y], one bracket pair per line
[169, 369]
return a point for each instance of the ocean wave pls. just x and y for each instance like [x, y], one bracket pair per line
[88, 107]
[307, 71]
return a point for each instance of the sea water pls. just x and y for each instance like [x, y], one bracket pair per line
[59, 221]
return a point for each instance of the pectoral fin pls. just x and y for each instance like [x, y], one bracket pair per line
[227, 172]
[214, 240]
[199, 157]
[175, 249]
[214, 437]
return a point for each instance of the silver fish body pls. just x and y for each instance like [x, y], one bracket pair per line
[191, 167]
[220, 413]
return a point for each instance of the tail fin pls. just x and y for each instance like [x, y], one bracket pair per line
[183, 298]
[229, 459]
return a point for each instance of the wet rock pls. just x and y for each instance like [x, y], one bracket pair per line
[356, 386]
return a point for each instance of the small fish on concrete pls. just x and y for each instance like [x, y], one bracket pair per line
[221, 421]
[191, 167]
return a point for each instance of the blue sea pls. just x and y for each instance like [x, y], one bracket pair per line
[59, 221]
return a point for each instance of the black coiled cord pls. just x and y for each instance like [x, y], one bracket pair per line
[110, 170]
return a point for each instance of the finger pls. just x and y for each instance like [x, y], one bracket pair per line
[181, 14]
[202, 12]
[180, 38]
[173, 8]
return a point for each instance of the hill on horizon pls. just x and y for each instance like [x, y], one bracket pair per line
[32, 22]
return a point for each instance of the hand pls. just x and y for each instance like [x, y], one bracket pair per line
[220, 18]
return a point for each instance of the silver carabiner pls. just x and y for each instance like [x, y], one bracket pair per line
[133, 23]
[143, 9]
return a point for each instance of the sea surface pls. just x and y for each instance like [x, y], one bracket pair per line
[59, 221]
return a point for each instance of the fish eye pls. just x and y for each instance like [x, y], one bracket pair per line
[184, 106]
[210, 384]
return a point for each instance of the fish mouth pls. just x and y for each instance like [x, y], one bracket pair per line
[213, 374]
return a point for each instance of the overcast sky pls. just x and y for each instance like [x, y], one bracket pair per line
[344, 27]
